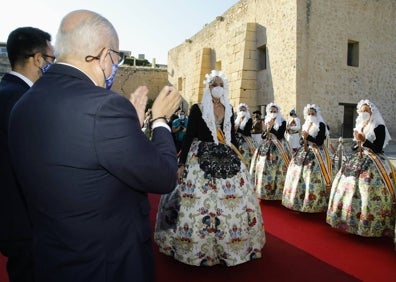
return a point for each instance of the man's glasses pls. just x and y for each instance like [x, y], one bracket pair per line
[119, 55]
[52, 58]
[45, 56]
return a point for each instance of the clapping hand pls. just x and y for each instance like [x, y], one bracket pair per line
[139, 100]
[359, 136]
[166, 103]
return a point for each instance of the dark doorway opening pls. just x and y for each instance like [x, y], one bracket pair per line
[348, 120]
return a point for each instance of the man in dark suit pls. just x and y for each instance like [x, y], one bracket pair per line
[84, 163]
[29, 52]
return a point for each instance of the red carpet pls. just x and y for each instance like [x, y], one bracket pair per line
[300, 247]
[281, 262]
[3, 272]
[369, 259]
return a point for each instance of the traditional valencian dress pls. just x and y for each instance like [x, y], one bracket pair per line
[292, 134]
[362, 199]
[271, 159]
[257, 129]
[308, 178]
[246, 144]
[213, 216]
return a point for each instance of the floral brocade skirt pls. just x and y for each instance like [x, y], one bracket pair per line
[212, 217]
[305, 188]
[247, 146]
[360, 201]
[268, 168]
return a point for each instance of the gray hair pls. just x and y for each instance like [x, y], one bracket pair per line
[82, 33]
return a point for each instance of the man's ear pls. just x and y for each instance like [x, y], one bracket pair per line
[38, 59]
[103, 57]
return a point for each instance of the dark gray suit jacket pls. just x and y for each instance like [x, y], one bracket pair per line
[15, 225]
[86, 168]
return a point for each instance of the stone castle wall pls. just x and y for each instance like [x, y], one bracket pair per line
[306, 43]
[306, 53]
[130, 78]
[323, 76]
[231, 44]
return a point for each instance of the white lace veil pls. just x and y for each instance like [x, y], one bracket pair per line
[279, 118]
[207, 107]
[314, 129]
[375, 120]
[239, 121]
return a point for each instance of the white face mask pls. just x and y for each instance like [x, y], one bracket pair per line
[273, 115]
[313, 119]
[217, 92]
[181, 116]
[242, 114]
[365, 116]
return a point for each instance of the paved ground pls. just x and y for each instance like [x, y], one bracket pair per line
[390, 149]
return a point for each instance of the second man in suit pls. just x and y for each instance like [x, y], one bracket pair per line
[30, 54]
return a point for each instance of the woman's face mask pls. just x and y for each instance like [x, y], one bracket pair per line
[217, 92]
[273, 115]
[364, 115]
[313, 119]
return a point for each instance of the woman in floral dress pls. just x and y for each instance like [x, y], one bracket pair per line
[363, 192]
[213, 216]
[308, 178]
[243, 128]
[293, 127]
[271, 159]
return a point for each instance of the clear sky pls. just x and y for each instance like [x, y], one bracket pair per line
[149, 27]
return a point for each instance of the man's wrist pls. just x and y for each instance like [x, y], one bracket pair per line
[159, 118]
[159, 122]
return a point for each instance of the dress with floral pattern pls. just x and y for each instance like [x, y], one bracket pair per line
[360, 201]
[213, 216]
[247, 146]
[305, 187]
[269, 166]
